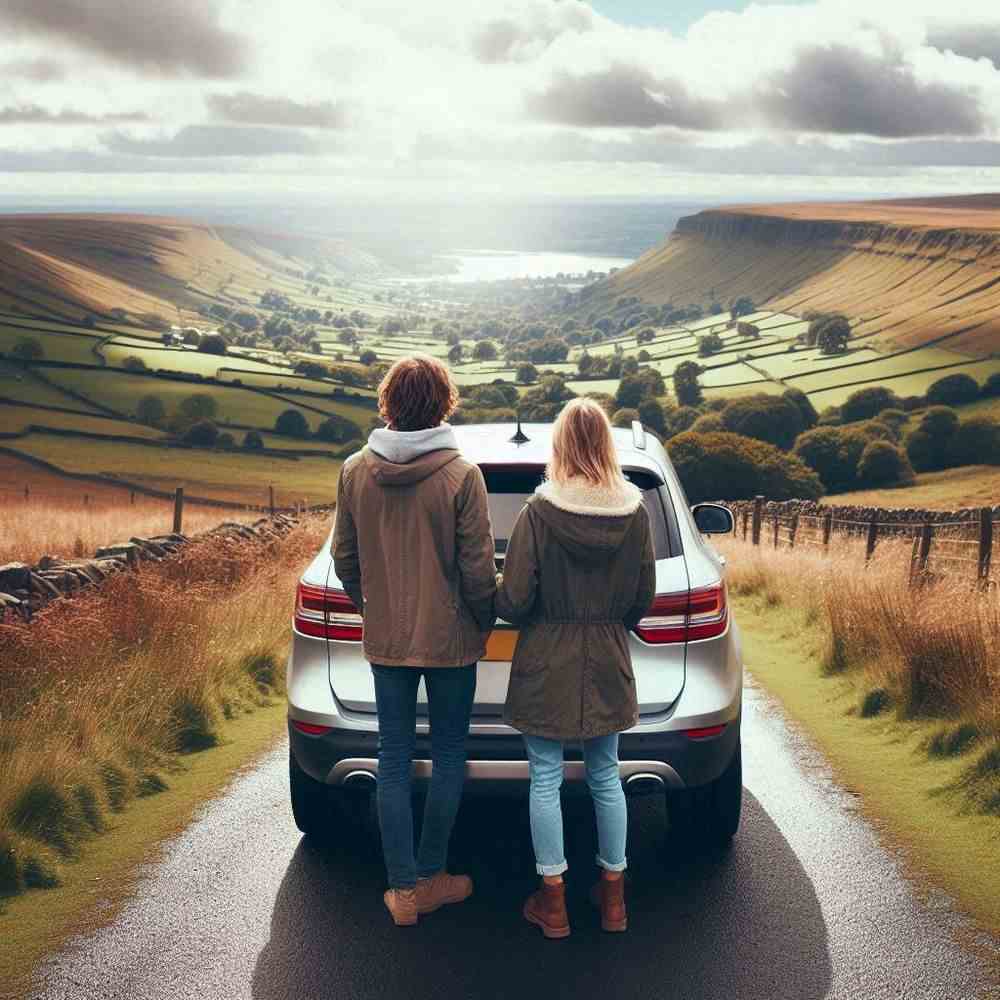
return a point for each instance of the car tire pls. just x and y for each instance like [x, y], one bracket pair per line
[310, 799]
[709, 814]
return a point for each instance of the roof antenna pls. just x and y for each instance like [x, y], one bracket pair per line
[519, 436]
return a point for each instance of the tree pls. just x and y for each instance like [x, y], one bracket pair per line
[252, 441]
[883, 464]
[368, 357]
[645, 335]
[27, 349]
[953, 390]
[652, 415]
[485, 350]
[767, 418]
[526, 373]
[976, 441]
[585, 363]
[133, 363]
[711, 343]
[338, 430]
[544, 402]
[834, 335]
[867, 403]
[681, 419]
[191, 337]
[748, 330]
[292, 423]
[632, 390]
[991, 387]
[213, 343]
[225, 441]
[150, 410]
[200, 406]
[686, 386]
[624, 417]
[709, 423]
[732, 467]
[203, 433]
[742, 307]
[644, 357]
[455, 353]
[810, 418]
[827, 451]
[245, 319]
[929, 446]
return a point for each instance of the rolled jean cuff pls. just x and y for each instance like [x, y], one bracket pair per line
[552, 870]
[609, 867]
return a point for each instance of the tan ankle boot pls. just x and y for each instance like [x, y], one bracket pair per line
[440, 890]
[609, 895]
[546, 908]
[402, 905]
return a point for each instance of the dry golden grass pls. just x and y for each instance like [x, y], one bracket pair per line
[934, 649]
[98, 694]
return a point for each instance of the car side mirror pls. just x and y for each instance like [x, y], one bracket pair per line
[713, 519]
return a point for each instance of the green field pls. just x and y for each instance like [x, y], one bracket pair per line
[16, 418]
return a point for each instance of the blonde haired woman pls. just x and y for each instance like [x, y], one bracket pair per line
[579, 572]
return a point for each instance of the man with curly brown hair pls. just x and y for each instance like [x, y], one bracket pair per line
[413, 548]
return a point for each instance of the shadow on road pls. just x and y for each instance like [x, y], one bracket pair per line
[744, 923]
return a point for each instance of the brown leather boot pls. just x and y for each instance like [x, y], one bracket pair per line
[441, 889]
[402, 905]
[609, 895]
[546, 908]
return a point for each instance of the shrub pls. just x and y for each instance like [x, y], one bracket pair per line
[709, 423]
[368, 357]
[680, 419]
[338, 430]
[546, 400]
[896, 419]
[27, 349]
[929, 446]
[203, 434]
[214, 343]
[526, 373]
[631, 391]
[199, 406]
[485, 350]
[711, 343]
[150, 410]
[252, 441]
[292, 423]
[653, 416]
[624, 417]
[225, 441]
[867, 403]
[991, 387]
[825, 450]
[742, 306]
[883, 464]
[133, 363]
[910, 403]
[686, 386]
[976, 441]
[768, 418]
[953, 390]
[732, 467]
[830, 417]
[748, 330]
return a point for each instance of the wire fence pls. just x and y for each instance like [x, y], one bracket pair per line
[961, 547]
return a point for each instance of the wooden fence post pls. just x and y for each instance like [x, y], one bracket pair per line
[985, 543]
[746, 522]
[758, 507]
[794, 531]
[872, 538]
[178, 510]
[911, 570]
[827, 529]
[132, 498]
[924, 552]
[270, 493]
[27, 492]
[777, 527]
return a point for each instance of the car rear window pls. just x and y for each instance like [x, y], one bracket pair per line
[510, 486]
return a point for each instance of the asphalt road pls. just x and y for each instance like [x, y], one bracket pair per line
[806, 904]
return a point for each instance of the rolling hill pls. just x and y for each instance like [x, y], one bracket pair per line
[71, 266]
[910, 272]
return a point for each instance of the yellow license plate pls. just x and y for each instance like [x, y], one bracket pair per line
[501, 643]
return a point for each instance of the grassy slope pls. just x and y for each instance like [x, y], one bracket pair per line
[901, 790]
[95, 887]
[950, 489]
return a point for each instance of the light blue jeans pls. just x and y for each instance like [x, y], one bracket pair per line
[600, 756]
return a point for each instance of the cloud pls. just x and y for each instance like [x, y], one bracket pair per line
[165, 37]
[505, 39]
[256, 109]
[619, 97]
[33, 114]
[41, 70]
[974, 41]
[838, 89]
[219, 141]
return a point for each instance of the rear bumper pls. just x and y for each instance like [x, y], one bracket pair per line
[668, 757]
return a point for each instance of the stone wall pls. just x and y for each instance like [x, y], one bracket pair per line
[886, 515]
[24, 589]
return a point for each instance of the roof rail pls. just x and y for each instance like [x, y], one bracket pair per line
[638, 435]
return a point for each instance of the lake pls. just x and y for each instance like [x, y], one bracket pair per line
[500, 265]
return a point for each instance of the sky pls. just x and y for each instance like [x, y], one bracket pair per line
[447, 99]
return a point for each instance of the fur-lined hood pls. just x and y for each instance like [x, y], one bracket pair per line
[590, 521]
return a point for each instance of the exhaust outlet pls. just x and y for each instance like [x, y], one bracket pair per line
[359, 781]
[644, 784]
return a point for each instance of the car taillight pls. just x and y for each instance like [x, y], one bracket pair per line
[700, 614]
[326, 613]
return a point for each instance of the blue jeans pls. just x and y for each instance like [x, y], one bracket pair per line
[450, 693]
[600, 756]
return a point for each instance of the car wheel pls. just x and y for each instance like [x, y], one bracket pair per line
[310, 801]
[709, 814]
